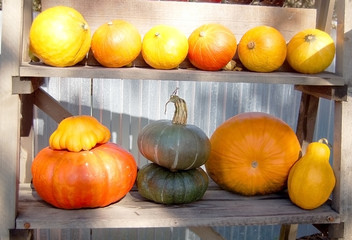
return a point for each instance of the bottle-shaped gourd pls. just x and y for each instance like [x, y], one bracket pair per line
[311, 180]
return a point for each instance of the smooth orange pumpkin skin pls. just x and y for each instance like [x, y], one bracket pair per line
[116, 43]
[262, 49]
[310, 51]
[86, 179]
[252, 153]
[211, 47]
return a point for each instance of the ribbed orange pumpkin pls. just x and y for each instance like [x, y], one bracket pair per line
[262, 49]
[211, 47]
[252, 153]
[80, 169]
[85, 179]
[116, 43]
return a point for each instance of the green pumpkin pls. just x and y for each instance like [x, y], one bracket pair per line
[161, 185]
[174, 144]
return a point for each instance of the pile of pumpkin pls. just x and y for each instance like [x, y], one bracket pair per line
[60, 36]
[249, 154]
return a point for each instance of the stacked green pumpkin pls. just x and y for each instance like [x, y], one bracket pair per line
[177, 151]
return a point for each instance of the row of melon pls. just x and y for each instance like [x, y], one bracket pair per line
[249, 154]
[61, 37]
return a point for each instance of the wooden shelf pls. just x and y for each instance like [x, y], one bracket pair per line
[217, 208]
[138, 73]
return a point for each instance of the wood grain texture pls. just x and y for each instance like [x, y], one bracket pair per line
[187, 16]
[12, 19]
[136, 73]
[217, 208]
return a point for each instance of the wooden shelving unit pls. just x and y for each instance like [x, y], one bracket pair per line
[23, 209]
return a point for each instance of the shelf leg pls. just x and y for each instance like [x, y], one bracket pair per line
[306, 119]
[305, 132]
[288, 232]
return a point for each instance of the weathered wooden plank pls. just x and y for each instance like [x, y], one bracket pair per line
[136, 73]
[343, 127]
[25, 86]
[307, 119]
[336, 93]
[325, 10]
[187, 16]
[50, 106]
[215, 209]
[12, 19]
[288, 232]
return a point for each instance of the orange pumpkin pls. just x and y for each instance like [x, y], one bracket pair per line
[164, 47]
[85, 179]
[116, 43]
[310, 51]
[211, 47]
[262, 49]
[252, 153]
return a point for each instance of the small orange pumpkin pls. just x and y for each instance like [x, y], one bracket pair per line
[211, 47]
[252, 153]
[116, 43]
[164, 47]
[310, 51]
[262, 49]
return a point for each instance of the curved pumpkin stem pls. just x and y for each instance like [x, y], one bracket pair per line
[325, 141]
[180, 115]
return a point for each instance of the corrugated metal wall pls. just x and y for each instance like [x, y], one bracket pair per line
[125, 106]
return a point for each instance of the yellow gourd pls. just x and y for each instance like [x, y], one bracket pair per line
[79, 133]
[311, 180]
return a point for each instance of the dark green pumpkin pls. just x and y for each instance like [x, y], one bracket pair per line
[174, 144]
[161, 185]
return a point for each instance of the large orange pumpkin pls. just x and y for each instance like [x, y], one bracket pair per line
[262, 49]
[164, 47]
[252, 153]
[211, 46]
[310, 51]
[116, 43]
[85, 179]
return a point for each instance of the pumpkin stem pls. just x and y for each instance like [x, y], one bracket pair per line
[85, 27]
[325, 141]
[309, 38]
[251, 45]
[180, 115]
